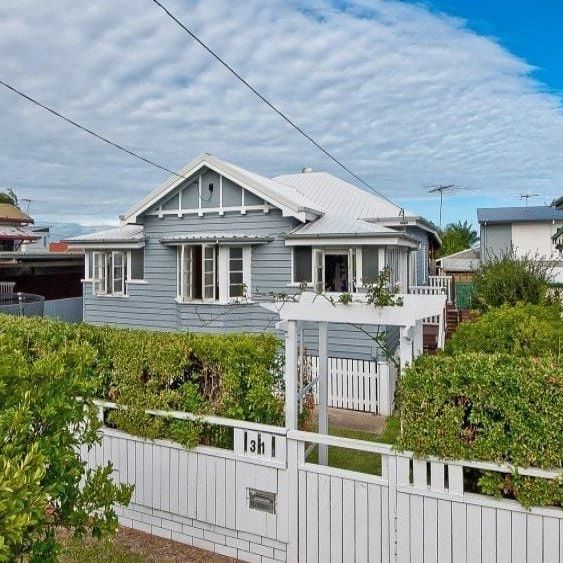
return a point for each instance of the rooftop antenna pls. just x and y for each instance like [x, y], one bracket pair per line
[441, 188]
[28, 202]
[527, 197]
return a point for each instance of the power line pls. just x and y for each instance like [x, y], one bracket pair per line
[266, 101]
[89, 131]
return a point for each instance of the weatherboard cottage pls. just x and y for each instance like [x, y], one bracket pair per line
[202, 250]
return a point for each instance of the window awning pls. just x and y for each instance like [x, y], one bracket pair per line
[9, 232]
[216, 238]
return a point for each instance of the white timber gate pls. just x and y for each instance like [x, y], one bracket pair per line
[352, 384]
[415, 511]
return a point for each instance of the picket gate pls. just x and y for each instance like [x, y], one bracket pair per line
[352, 384]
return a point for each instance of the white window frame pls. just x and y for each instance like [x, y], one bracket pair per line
[297, 283]
[208, 268]
[104, 270]
[354, 267]
[99, 277]
[218, 267]
[118, 272]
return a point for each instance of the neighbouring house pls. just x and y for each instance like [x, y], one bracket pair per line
[25, 259]
[528, 230]
[461, 265]
[16, 228]
[41, 244]
[200, 251]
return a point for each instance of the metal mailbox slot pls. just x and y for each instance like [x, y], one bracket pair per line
[262, 500]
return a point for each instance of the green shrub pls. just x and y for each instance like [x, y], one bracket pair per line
[496, 407]
[524, 330]
[43, 481]
[508, 278]
[231, 375]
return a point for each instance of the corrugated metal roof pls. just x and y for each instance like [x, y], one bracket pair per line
[125, 233]
[9, 232]
[333, 225]
[219, 237]
[466, 260]
[532, 214]
[332, 195]
[13, 214]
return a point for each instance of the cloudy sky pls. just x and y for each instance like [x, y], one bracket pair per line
[403, 93]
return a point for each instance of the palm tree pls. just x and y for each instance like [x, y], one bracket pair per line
[458, 236]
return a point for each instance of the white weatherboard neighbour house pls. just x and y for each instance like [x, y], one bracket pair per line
[202, 251]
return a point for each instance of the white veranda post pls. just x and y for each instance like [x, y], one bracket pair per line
[323, 390]
[291, 390]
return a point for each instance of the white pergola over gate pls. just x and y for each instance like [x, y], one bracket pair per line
[310, 307]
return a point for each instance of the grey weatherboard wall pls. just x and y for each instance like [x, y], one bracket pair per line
[495, 239]
[151, 304]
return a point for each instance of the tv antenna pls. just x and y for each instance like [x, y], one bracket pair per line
[527, 197]
[441, 188]
[27, 201]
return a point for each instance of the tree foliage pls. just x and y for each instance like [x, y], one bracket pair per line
[43, 481]
[231, 375]
[9, 197]
[493, 407]
[457, 237]
[510, 278]
[522, 330]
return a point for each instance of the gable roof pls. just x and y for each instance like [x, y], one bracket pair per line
[532, 214]
[12, 214]
[289, 200]
[333, 195]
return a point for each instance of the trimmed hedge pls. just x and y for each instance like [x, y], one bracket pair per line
[497, 407]
[523, 329]
[231, 375]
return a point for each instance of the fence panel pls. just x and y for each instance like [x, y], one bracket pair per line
[352, 384]
[69, 309]
[416, 510]
[341, 519]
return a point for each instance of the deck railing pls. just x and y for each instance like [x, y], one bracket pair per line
[445, 282]
[7, 288]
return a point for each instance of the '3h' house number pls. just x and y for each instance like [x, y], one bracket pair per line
[251, 443]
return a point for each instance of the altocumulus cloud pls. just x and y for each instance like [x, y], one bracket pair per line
[404, 96]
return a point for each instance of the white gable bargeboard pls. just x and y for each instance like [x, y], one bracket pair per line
[201, 172]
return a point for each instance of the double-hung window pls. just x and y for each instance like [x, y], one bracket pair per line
[111, 270]
[236, 272]
[212, 273]
[109, 273]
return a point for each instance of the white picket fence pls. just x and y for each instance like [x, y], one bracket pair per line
[263, 501]
[360, 385]
[352, 384]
